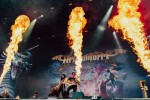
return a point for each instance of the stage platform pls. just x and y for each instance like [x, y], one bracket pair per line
[80, 96]
[103, 99]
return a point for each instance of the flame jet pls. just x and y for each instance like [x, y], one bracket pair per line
[21, 24]
[76, 24]
[128, 21]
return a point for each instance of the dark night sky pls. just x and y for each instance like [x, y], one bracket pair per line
[50, 33]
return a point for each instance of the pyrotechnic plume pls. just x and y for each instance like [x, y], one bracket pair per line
[128, 21]
[21, 24]
[76, 24]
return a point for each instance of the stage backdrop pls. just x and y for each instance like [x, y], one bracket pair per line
[108, 74]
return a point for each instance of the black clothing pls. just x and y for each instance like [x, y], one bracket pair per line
[1, 96]
[61, 90]
[5, 95]
[53, 93]
[74, 86]
[72, 79]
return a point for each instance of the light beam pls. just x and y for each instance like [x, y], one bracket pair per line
[117, 41]
[27, 34]
[100, 29]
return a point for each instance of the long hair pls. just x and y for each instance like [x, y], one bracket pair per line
[64, 76]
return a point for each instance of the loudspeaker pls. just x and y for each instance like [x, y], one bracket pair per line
[77, 95]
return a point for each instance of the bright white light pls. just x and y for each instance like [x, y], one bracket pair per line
[116, 39]
[114, 33]
[28, 33]
[101, 28]
[107, 15]
[103, 23]
[41, 16]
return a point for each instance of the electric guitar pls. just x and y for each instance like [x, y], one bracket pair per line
[62, 82]
[75, 82]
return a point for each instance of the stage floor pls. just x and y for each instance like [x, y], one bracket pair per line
[54, 98]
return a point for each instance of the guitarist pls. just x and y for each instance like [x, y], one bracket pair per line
[73, 83]
[62, 85]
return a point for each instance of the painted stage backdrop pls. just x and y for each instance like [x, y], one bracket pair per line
[108, 74]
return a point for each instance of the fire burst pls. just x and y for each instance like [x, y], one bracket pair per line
[76, 24]
[21, 24]
[128, 21]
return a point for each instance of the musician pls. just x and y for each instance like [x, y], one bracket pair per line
[62, 86]
[72, 80]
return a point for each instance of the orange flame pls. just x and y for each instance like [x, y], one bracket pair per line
[21, 24]
[76, 24]
[128, 21]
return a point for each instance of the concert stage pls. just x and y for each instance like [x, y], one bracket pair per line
[103, 99]
[80, 96]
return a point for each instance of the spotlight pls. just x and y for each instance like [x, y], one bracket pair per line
[41, 16]
[114, 33]
[28, 33]
[100, 28]
[117, 40]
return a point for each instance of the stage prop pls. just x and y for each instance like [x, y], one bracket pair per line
[144, 88]
[20, 64]
[14, 61]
